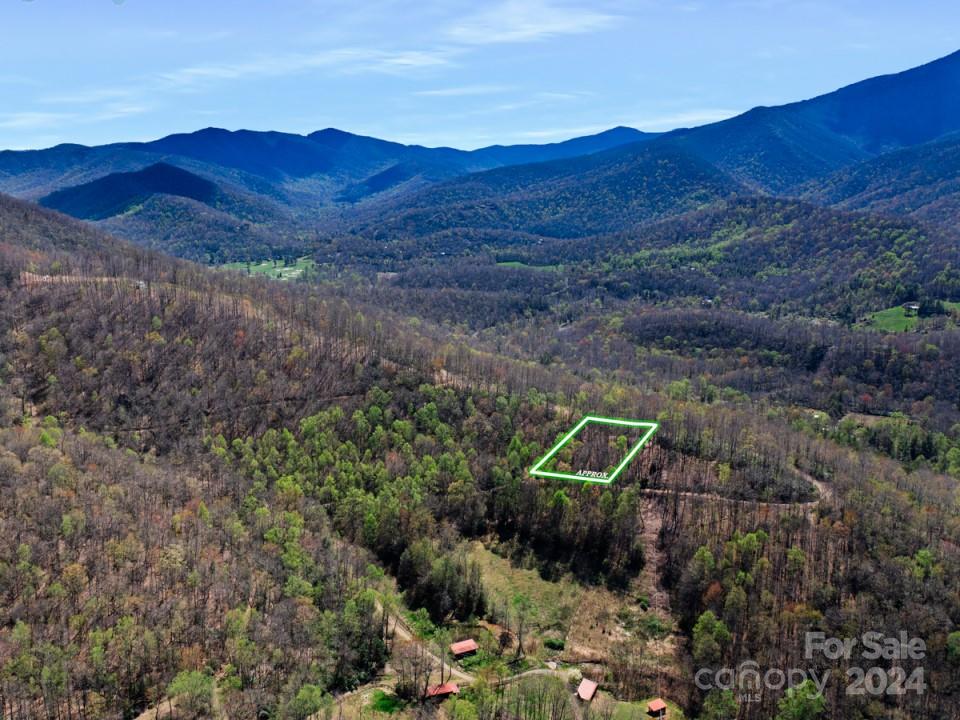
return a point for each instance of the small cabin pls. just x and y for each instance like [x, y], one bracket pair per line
[657, 709]
[464, 648]
[586, 690]
[442, 692]
[911, 308]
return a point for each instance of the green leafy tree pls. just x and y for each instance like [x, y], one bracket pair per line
[462, 710]
[310, 699]
[193, 691]
[803, 702]
[710, 634]
[720, 705]
[953, 647]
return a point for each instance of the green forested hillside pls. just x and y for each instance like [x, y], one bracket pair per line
[779, 148]
[118, 193]
[922, 182]
[257, 463]
[571, 198]
[749, 254]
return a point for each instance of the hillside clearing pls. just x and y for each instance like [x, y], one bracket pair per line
[276, 269]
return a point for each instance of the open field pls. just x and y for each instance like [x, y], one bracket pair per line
[896, 319]
[518, 264]
[273, 268]
[638, 710]
[557, 602]
[588, 621]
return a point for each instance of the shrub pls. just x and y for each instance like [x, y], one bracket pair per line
[555, 643]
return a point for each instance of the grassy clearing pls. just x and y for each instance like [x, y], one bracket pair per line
[578, 621]
[598, 624]
[374, 700]
[650, 625]
[638, 710]
[556, 601]
[893, 319]
[518, 264]
[480, 661]
[274, 268]
[897, 319]
[385, 703]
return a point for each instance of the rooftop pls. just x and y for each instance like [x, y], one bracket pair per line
[587, 689]
[464, 646]
[448, 688]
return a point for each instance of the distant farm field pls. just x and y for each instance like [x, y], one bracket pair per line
[276, 269]
[897, 319]
[518, 264]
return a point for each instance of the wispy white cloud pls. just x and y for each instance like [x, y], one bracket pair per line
[658, 123]
[563, 96]
[506, 21]
[348, 60]
[43, 120]
[520, 102]
[465, 90]
[115, 111]
[195, 38]
[526, 21]
[33, 120]
[562, 133]
[89, 96]
[687, 118]
[389, 61]
[103, 104]
[775, 52]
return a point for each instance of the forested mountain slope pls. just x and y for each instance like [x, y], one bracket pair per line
[118, 193]
[269, 191]
[760, 254]
[265, 161]
[778, 148]
[766, 150]
[922, 182]
[572, 198]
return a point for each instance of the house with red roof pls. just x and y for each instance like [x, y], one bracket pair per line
[587, 689]
[464, 648]
[442, 692]
[657, 708]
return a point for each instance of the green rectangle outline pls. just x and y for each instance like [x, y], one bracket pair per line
[651, 426]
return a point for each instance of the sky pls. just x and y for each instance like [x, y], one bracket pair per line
[436, 72]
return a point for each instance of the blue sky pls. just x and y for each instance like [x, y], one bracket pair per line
[464, 74]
